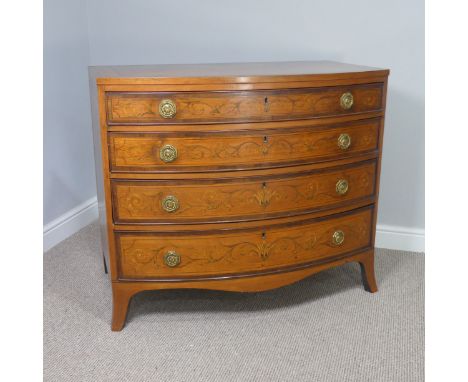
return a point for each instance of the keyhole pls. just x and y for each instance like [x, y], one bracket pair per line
[263, 235]
[264, 184]
[267, 105]
[265, 147]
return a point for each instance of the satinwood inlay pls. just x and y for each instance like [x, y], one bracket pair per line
[143, 255]
[240, 199]
[219, 107]
[141, 151]
[240, 177]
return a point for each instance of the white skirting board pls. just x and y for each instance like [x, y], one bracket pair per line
[392, 237]
[400, 238]
[69, 223]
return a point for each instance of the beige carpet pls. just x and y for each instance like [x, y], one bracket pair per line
[325, 328]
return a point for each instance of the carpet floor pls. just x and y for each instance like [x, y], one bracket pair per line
[325, 328]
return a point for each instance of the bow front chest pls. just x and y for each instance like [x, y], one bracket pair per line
[239, 177]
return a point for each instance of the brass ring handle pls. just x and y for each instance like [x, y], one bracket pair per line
[344, 141]
[172, 259]
[346, 100]
[168, 153]
[170, 203]
[167, 108]
[338, 237]
[342, 187]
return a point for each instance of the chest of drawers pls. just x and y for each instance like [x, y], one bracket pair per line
[237, 177]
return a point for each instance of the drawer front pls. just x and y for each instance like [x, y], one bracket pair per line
[152, 255]
[244, 106]
[152, 152]
[239, 199]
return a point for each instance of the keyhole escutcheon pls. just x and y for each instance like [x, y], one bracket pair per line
[266, 105]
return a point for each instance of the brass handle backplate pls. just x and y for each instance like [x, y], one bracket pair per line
[346, 100]
[170, 203]
[167, 108]
[168, 153]
[172, 259]
[344, 141]
[338, 237]
[342, 187]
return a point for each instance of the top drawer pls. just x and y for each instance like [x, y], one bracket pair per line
[240, 106]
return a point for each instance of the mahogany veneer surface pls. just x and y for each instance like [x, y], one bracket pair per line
[239, 177]
[246, 198]
[139, 152]
[246, 106]
[141, 255]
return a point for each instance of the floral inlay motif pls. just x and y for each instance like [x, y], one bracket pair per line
[264, 196]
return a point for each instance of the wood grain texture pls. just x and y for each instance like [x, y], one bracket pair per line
[123, 291]
[140, 152]
[142, 255]
[217, 227]
[368, 274]
[342, 160]
[234, 73]
[243, 199]
[219, 107]
[240, 127]
[262, 139]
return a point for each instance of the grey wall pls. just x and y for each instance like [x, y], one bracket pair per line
[68, 156]
[380, 33]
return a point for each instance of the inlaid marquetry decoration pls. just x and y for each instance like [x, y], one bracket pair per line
[264, 195]
[264, 248]
[242, 177]
[146, 201]
[144, 255]
[260, 105]
[151, 152]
